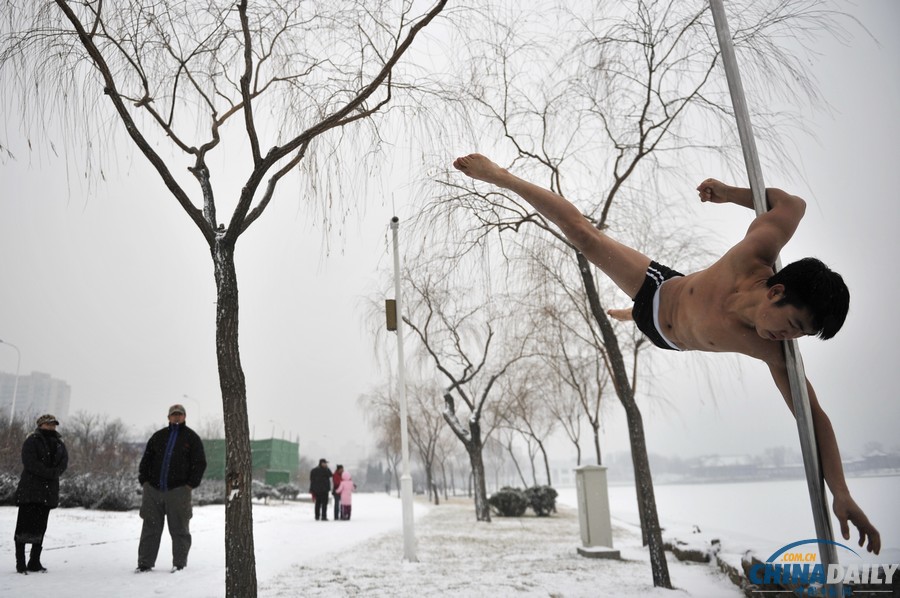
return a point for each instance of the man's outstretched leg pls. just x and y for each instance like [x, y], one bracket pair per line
[624, 265]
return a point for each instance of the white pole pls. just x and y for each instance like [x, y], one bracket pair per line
[406, 494]
[799, 394]
[12, 408]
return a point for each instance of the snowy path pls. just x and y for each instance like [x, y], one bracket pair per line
[94, 553]
[527, 557]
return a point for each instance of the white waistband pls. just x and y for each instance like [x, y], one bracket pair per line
[656, 317]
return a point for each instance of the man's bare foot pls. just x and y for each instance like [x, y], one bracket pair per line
[480, 167]
[622, 315]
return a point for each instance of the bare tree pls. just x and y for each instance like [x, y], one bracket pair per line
[566, 410]
[383, 417]
[507, 438]
[427, 427]
[212, 427]
[526, 411]
[580, 372]
[97, 444]
[497, 468]
[457, 333]
[273, 82]
[451, 461]
[425, 423]
[12, 435]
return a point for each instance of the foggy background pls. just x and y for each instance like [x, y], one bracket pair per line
[110, 288]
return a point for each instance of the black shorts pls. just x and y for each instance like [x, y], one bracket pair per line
[643, 312]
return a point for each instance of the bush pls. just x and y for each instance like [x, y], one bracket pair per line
[263, 491]
[509, 502]
[8, 485]
[210, 492]
[542, 500]
[289, 491]
[106, 492]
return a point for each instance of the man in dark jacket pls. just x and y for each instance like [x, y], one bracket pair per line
[319, 487]
[45, 459]
[172, 466]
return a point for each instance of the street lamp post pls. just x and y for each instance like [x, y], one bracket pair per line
[12, 408]
[406, 494]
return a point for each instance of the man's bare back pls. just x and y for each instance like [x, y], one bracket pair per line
[736, 305]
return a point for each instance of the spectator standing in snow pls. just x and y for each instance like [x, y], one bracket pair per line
[335, 482]
[319, 487]
[345, 490]
[172, 466]
[45, 458]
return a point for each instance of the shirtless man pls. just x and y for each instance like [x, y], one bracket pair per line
[736, 305]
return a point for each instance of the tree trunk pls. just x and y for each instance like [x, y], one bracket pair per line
[482, 508]
[596, 428]
[515, 461]
[474, 447]
[452, 480]
[643, 480]
[546, 462]
[397, 481]
[531, 455]
[429, 481]
[240, 561]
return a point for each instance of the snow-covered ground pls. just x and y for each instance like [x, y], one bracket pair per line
[93, 553]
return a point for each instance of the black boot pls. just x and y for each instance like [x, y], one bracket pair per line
[20, 558]
[34, 562]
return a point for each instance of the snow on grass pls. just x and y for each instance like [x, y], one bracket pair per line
[527, 556]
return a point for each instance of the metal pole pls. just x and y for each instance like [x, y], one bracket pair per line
[12, 408]
[799, 394]
[406, 494]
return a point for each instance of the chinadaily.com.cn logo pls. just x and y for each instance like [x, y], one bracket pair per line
[795, 565]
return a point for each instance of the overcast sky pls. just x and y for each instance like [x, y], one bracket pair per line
[112, 291]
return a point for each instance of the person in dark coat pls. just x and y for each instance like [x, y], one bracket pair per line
[319, 487]
[45, 459]
[172, 466]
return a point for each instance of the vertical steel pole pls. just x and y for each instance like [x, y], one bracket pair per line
[406, 494]
[799, 394]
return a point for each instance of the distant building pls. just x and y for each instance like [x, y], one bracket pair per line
[275, 461]
[37, 393]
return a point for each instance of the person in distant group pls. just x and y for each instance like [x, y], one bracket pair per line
[45, 458]
[345, 491]
[319, 487]
[335, 482]
[172, 466]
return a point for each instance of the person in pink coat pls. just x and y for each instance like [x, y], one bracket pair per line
[345, 490]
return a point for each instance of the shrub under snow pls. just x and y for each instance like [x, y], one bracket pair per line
[509, 502]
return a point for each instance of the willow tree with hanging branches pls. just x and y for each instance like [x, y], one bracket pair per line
[223, 99]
